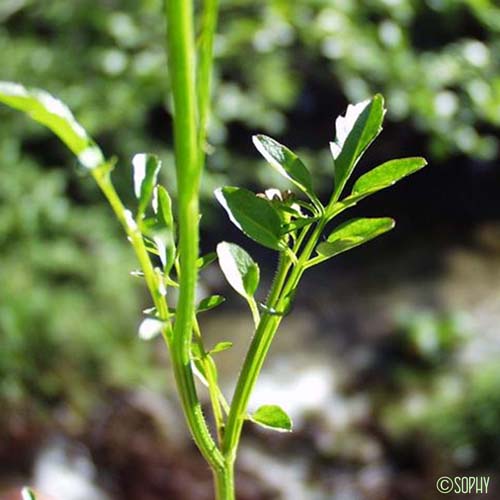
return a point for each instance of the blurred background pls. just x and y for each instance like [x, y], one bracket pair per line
[388, 364]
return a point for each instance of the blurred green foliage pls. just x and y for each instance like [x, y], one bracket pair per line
[68, 306]
[430, 339]
[467, 427]
[458, 418]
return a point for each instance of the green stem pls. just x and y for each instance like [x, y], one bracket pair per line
[254, 360]
[180, 43]
[224, 483]
[254, 309]
[210, 371]
[135, 237]
[261, 342]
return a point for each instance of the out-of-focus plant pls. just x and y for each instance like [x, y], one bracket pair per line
[458, 417]
[61, 265]
[296, 226]
[439, 67]
[431, 338]
[466, 426]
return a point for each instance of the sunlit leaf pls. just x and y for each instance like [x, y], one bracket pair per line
[353, 233]
[240, 270]
[354, 133]
[286, 162]
[386, 175]
[254, 216]
[210, 302]
[51, 112]
[272, 417]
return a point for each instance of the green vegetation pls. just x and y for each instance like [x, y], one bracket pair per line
[167, 247]
[283, 69]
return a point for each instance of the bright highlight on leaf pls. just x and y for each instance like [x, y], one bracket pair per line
[150, 328]
[146, 168]
[254, 216]
[354, 133]
[272, 417]
[240, 270]
[353, 233]
[286, 162]
[55, 115]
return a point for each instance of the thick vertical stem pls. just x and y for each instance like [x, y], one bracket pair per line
[224, 483]
[181, 54]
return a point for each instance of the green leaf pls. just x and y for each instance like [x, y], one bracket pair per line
[386, 175]
[162, 206]
[272, 417]
[221, 346]
[354, 133]
[206, 260]
[210, 303]
[286, 162]
[49, 111]
[28, 494]
[353, 233]
[254, 216]
[145, 168]
[240, 270]
[164, 236]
